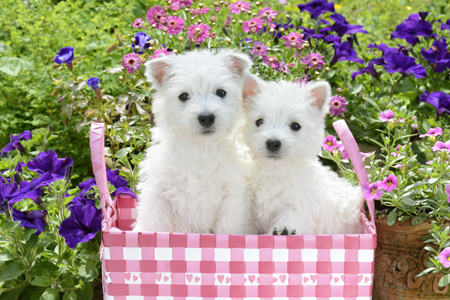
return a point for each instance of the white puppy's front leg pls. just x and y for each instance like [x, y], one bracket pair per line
[233, 214]
[290, 222]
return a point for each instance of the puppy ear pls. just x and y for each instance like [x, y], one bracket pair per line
[319, 94]
[251, 88]
[238, 63]
[156, 71]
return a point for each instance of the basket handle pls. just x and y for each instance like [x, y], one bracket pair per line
[97, 145]
[354, 155]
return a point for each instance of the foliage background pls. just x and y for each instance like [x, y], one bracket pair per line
[34, 31]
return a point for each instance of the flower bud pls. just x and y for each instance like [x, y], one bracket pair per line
[137, 47]
[213, 23]
[150, 48]
[192, 18]
[226, 3]
[60, 98]
[186, 9]
[281, 29]
[306, 45]
[249, 12]
[165, 29]
[294, 44]
[121, 78]
[154, 25]
[253, 14]
[291, 65]
[216, 3]
[143, 60]
[152, 43]
[271, 59]
[317, 73]
[318, 79]
[254, 30]
[228, 40]
[180, 38]
[54, 93]
[339, 90]
[213, 35]
[315, 63]
[327, 69]
[175, 51]
[213, 19]
[133, 40]
[197, 29]
[221, 2]
[199, 21]
[271, 30]
[242, 9]
[241, 22]
[170, 2]
[273, 18]
[200, 5]
[194, 40]
[166, 8]
[288, 16]
[257, 3]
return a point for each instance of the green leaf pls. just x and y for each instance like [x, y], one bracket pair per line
[13, 65]
[5, 255]
[121, 153]
[357, 89]
[392, 217]
[418, 220]
[444, 280]
[41, 266]
[86, 292]
[70, 296]
[11, 295]
[32, 241]
[426, 271]
[41, 281]
[27, 233]
[10, 225]
[49, 294]
[433, 180]
[408, 201]
[12, 271]
[429, 248]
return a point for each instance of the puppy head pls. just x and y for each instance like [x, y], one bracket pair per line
[198, 94]
[285, 121]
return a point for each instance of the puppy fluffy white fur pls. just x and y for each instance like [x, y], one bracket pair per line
[192, 179]
[290, 190]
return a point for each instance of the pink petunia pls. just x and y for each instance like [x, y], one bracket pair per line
[293, 37]
[160, 52]
[178, 4]
[275, 63]
[259, 49]
[199, 31]
[329, 143]
[387, 116]
[447, 191]
[174, 25]
[444, 257]
[340, 148]
[390, 183]
[313, 60]
[131, 62]
[155, 15]
[236, 7]
[432, 132]
[441, 146]
[372, 191]
[138, 23]
[253, 25]
[267, 14]
[337, 106]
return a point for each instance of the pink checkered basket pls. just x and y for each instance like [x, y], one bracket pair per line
[147, 265]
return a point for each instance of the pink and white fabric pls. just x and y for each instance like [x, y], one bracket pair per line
[150, 266]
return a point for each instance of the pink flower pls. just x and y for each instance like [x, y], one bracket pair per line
[367, 155]
[283, 67]
[259, 49]
[372, 191]
[178, 4]
[236, 7]
[198, 11]
[198, 31]
[301, 81]
[275, 63]
[291, 65]
[444, 257]
[267, 14]
[313, 60]
[213, 35]
[343, 151]
[441, 146]
[138, 23]
[217, 9]
[131, 62]
[399, 166]
[337, 106]
[329, 143]
[160, 52]
[387, 116]
[390, 183]
[228, 20]
[155, 15]
[174, 25]
[293, 37]
[253, 25]
[432, 132]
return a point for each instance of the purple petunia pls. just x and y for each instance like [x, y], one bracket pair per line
[93, 82]
[329, 143]
[432, 132]
[411, 28]
[446, 25]
[372, 191]
[440, 100]
[15, 142]
[276, 26]
[316, 7]
[385, 49]
[438, 56]
[344, 51]
[390, 183]
[6, 190]
[81, 201]
[65, 56]
[48, 162]
[33, 219]
[142, 40]
[342, 27]
[444, 257]
[397, 62]
[370, 69]
[114, 178]
[31, 190]
[82, 225]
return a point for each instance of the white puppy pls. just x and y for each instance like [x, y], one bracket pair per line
[290, 190]
[192, 179]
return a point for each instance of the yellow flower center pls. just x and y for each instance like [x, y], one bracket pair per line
[329, 144]
[448, 258]
[374, 191]
[389, 183]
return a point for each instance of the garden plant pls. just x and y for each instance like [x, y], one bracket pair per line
[394, 93]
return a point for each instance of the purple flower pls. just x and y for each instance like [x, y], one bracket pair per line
[385, 49]
[131, 62]
[390, 183]
[344, 51]
[65, 56]
[142, 40]
[438, 56]
[342, 27]
[445, 25]
[93, 83]
[447, 191]
[82, 225]
[387, 116]
[411, 28]
[253, 25]
[372, 191]
[316, 7]
[337, 106]
[6, 190]
[313, 60]
[370, 69]
[440, 100]
[444, 257]
[114, 178]
[31, 190]
[397, 62]
[432, 132]
[329, 143]
[33, 219]
[277, 33]
[81, 201]
[259, 49]
[48, 162]
[15, 142]
[441, 146]
[239, 6]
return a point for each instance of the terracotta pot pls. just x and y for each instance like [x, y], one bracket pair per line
[399, 257]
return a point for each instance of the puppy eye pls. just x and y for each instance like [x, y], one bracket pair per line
[295, 126]
[183, 97]
[259, 122]
[221, 93]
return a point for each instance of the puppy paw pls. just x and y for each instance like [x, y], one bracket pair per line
[282, 230]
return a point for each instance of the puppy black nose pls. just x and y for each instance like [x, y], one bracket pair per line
[273, 145]
[206, 120]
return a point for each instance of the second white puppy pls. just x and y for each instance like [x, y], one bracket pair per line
[192, 179]
[291, 191]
